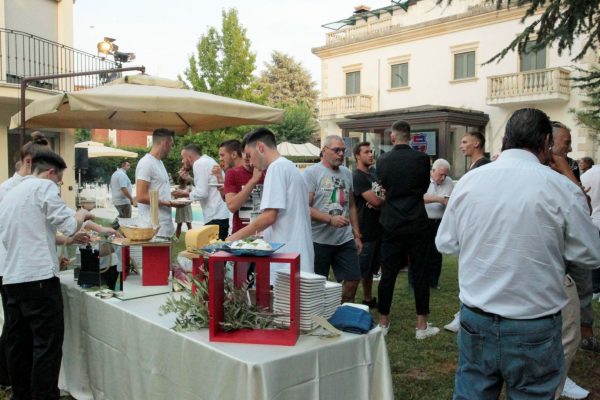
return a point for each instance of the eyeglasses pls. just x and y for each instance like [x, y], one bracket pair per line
[337, 149]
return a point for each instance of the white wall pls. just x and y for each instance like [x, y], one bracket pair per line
[38, 17]
[430, 77]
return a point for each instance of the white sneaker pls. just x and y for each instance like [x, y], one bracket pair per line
[384, 329]
[427, 332]
[574, 391]
[454, 326]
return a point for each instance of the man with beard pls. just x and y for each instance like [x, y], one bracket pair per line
[243, 184]
[335, 230]
[150, 174]
[205, 190]
[285, 215]
[368, 197]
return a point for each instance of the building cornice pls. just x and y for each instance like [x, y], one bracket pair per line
[404, 34]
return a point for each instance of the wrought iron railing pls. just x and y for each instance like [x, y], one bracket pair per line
[25, 55]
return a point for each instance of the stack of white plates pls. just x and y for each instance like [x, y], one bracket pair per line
[333, 298]
[312, 296]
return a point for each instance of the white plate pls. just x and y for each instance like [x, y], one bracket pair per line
[181, 201]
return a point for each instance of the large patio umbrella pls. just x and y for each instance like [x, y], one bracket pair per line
[143, 102]
[96, 150]
[302, 150]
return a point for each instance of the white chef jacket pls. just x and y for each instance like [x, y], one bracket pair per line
[31, 213]
[6, 187]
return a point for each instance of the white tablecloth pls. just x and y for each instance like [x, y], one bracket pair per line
[117, 350]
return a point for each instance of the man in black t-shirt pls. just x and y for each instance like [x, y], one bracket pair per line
[368, 198]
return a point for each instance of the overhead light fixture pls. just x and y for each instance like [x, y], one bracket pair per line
[109, 47]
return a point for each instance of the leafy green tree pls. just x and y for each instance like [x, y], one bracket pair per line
[287, 83]
[82, 135]
[224, 63]
[298, 125]
[560, 22]
[589, 114]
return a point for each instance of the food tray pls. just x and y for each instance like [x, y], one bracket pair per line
[254, 252]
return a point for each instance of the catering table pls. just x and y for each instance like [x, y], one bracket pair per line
[116, 349]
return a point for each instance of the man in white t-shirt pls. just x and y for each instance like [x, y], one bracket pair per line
[285, 214]
[32, 212]
[206, 190]
[150, 174]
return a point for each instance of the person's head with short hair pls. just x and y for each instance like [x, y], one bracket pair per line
[189, 154]
[529, 129]
[334, 150]
[125, 165]
[363, 153]
[440, 170]
[37, 143]
[472, 144]
[261, 147]
[47, 164]
[162, 142]
[585, 163]
[400, 132]
[230, 152]
[562, 139]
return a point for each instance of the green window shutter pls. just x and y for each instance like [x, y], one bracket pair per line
[353, 83]
[399, 75]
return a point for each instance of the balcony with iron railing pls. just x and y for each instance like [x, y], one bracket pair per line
[25, 55]
[542, 85]
[337, 107]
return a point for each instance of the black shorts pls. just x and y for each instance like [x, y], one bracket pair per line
[342, 258]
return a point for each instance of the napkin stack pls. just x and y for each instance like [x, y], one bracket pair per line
[317, 297]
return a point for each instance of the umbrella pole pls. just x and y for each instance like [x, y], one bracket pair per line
[25, 82]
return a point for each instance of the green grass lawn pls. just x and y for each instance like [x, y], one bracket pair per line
[424, 369]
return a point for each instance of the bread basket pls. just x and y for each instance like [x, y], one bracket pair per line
[138, 234]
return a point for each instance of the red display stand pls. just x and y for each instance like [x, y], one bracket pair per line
[156, 261]
[283, 337]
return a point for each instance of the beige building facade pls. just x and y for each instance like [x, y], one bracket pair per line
[36, 38]
[426, 64]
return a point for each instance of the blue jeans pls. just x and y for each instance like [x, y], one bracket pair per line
[526, 354]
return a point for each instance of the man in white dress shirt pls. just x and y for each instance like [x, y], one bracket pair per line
[514, 225]
[285, 214]
[436, 198]
[206, 190]
[32, 212]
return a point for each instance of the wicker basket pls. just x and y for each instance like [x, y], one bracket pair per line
[137, 234]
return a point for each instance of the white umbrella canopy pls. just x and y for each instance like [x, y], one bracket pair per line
[103, 151]
[142, 102]
[96, 149]
[89, 143]
[303, 150]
